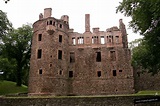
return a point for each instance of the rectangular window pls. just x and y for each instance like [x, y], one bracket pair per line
[60, 25]
[113, 55]
[102, 40]
[40, 71]
[60, 38]
[99, 73]
[72, 57]
[117, 39]
[73, 41]
[94, 39]
[39, 53]
[39, 37]
[70, 74]
[80, 40]
[60, 54]
[60, 72]
[98, 57]
[120, 70]
[114, 73]
[50, 22]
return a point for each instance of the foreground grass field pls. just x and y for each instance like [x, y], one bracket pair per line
[8, 87]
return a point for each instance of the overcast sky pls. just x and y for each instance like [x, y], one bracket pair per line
[102, 13]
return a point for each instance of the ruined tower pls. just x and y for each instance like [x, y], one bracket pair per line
[64, 62]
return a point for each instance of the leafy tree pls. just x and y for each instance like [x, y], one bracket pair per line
[146, 20]
[16, 46]
[5, 25]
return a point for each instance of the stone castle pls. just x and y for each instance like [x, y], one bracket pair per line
[64, 62]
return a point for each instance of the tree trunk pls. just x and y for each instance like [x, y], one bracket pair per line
[19, 74]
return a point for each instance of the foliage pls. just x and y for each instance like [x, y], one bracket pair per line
[146, 20]
[8, 87]
[16, 48]
[5, 25]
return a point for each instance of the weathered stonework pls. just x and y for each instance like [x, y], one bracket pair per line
[64, 62]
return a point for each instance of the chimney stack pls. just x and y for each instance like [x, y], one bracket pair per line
[47, 12]
[87, 22]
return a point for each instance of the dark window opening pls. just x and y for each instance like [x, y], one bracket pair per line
[114, 73]
[113, 55]
[60, 38]
[50, 22]
[39, 54]
[99, 73]
[72, 57]
[40, 71]
[98, 57]
[70, 74]
[60, 25]
[60, 72]
[54, 23]
[50, 65]
[60, 54]
[47, 22]
[39, 37]
[120, 70]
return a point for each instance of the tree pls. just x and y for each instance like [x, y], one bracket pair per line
[146, 20]
[16, 46]
[5, 25]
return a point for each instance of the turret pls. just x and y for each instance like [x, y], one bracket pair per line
[47, 12]
[65, 19]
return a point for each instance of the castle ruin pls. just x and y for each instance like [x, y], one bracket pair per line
[64, 62]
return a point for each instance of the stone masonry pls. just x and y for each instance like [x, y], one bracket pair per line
[64, 62]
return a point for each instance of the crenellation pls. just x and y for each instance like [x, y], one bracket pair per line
[64, 62]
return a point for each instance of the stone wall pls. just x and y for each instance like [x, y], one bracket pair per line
[77, 101]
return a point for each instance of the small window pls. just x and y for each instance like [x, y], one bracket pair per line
[114, 73]
[98, 57]
[39, 54]
[70, 74]
[60, 72]
[72, 57]
[99, 73]
[74, 41]
[54, 23]
[50, 22]
[60, 38]
[40, 71]
[117, 39]
[60, 25]
[60, 54]
[39, 37]
[102, 40]
[50, 65]
[120, 70]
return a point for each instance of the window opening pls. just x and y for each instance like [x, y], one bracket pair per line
[114, 73]
[60, 38]
[99, 73]
[39, 37]
[80, 40]
[94, 39]
[60, 25]
[102, 40]
[113, 55]
[98, 57]
[73, 41]
[70, 74]
[54, 23]
[50, 22]
[117, 39]
[39, 54]
[120, 70]
[40, 71]
[60, 54]
[60, 72]
[72, 57]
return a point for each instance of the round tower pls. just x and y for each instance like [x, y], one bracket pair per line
[49, 57]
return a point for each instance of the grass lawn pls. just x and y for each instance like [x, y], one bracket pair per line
[8, 87]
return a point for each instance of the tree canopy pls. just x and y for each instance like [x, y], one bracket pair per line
[16, 48]
[145, 20]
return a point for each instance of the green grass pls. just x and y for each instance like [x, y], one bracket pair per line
[8, 87]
